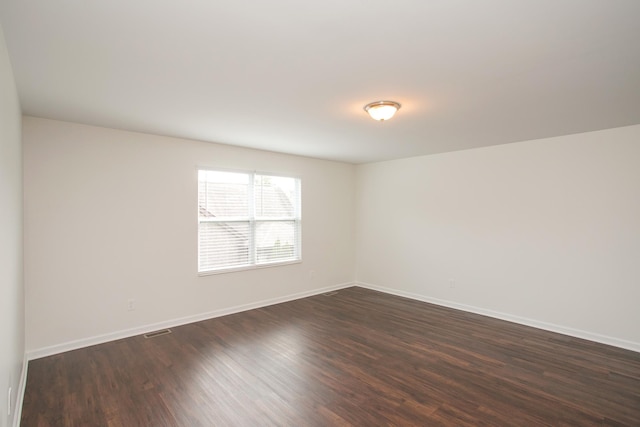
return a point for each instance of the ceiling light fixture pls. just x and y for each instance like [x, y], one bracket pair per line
[382, 110]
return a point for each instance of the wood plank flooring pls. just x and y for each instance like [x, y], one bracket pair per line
[358, 357]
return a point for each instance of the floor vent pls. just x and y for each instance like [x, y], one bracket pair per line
[157, 333]
[330, 294]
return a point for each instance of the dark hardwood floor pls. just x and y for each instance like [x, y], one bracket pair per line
[357, 357]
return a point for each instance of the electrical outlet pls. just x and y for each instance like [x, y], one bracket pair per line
[452, 283]
[312, 274]
[131, 305]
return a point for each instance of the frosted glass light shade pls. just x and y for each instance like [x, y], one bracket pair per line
[382, 110]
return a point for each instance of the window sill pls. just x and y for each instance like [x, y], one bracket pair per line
[248, 267]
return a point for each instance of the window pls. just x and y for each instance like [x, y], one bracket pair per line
[246, 220]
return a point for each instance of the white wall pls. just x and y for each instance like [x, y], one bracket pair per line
[543, 232]
[11, 283]
[112, 215]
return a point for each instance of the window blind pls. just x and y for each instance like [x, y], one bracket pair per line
[247, 219]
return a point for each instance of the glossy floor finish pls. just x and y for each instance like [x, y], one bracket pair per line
[357, 357]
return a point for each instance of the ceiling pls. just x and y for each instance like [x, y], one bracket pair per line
[293, 76]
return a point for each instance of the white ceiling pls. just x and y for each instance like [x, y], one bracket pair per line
[292, 76]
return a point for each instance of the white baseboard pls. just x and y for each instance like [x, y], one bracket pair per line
[86, 342]
[22, 386]
[577, 333]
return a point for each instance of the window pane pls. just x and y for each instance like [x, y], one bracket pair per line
[247, 219]
[223, 194]
[275, 241]
[275, 196]
[223, 244]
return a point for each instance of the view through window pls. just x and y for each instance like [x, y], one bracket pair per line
[247, 219]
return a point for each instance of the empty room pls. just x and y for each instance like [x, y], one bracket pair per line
[355, 213]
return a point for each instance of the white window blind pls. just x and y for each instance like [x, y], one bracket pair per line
[247, 219]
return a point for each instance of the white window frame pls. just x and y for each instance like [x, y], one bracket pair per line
[253, 220]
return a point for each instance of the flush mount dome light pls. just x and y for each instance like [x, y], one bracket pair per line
[382, 110]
